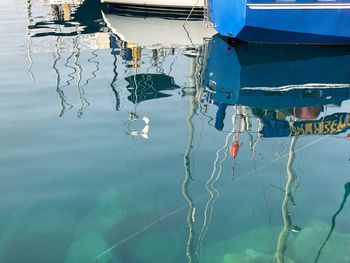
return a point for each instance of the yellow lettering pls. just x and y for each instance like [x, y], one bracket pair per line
[341, 124]
[319, 126]
[300, 129]
[327, 125]
[347, 120]
[308, 128]
[334, 126]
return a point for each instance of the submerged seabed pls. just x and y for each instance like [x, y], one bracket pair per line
[110, 154]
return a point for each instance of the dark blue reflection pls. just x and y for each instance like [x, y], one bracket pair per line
[88, 16]
[149, 86]
[280, 80]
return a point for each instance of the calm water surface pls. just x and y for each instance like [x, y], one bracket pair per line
[114, 151]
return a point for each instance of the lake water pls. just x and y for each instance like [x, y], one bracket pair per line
[162, 149]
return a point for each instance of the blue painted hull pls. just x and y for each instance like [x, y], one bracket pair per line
[299, 22]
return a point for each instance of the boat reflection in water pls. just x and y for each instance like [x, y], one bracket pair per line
[292, 90]
[157, 42]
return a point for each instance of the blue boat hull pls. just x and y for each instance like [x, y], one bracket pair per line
[299, 22]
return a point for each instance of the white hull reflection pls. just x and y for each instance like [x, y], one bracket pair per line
[153, 32]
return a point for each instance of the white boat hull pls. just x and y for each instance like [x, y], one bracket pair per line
[159, 3]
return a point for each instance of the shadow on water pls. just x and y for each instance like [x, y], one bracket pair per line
[149, 86]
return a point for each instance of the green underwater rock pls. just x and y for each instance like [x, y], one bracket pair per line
[108, 212]
[110, 209]
[251, 256]
[262, 240]
[87, 248]
[310, 239]
[89, 232]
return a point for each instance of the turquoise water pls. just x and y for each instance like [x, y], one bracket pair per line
[94, 170]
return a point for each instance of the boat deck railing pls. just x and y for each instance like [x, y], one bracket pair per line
[206, 14]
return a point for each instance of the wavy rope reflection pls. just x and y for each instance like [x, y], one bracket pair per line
[83, 101]
[212, 191]
[187, 180]
[93, 73]
[63, 100]
[71, 75]
[282, 242]
[114, 80]
[345, 197]
[29, 38]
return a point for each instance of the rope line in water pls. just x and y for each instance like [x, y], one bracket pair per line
[175, 211]
[282, 157]
[143, 229]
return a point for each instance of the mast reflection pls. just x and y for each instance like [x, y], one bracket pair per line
[67, 27]
[282, 242]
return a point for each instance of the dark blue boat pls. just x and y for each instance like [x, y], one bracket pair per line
[276, 80]
[283, 21]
